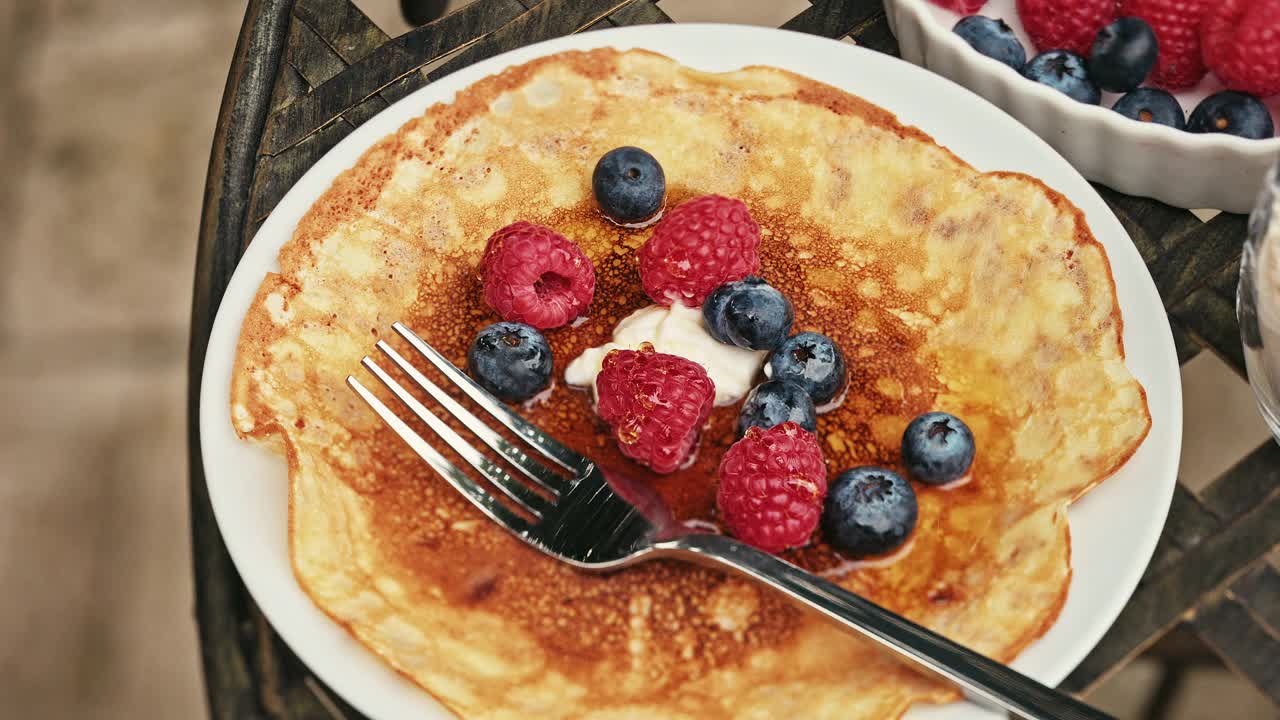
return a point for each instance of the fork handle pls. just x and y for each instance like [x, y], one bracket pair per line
[981, 676]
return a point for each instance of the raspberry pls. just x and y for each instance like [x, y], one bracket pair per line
[1241, 41]
[772, 484]
[656, 405]
[964, 7]
[1177, 26]
[1057, 25]
[534, 275]
[697, 247]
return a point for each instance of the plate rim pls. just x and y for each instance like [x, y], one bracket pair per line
[214, 410]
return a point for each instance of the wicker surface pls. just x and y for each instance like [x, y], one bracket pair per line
[307, 72]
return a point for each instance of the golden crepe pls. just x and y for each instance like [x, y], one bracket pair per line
[980, 294]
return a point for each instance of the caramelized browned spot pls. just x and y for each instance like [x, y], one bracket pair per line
[889, 378]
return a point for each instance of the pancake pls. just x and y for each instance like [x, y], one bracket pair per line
[982, 294]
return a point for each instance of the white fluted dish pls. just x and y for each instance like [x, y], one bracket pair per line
[1180, 168]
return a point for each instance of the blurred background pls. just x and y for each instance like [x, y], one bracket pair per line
[108, 111]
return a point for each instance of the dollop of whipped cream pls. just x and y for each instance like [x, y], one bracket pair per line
[674, 330]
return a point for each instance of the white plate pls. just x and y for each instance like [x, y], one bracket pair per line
[1114, 529]
[1184, 169]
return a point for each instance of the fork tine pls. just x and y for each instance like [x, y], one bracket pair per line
[512, 488]
[533, 469]
[542, 442]
[487, 503]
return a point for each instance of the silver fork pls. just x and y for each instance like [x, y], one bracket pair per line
[598, 523]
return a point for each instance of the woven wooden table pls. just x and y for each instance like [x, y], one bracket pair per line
[307, 72]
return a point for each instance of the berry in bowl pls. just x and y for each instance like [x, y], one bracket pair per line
[1170, 99]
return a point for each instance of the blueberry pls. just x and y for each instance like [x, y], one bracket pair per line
[1064, 71]
[749, 313]
[1123, 54]
[937, 448]
[1152, 105]
[629, 185]
[775, 402]
[993, 38]
[1232, 113]
[510, 360]
[869, 510]
[812, 361]
[713, 312]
